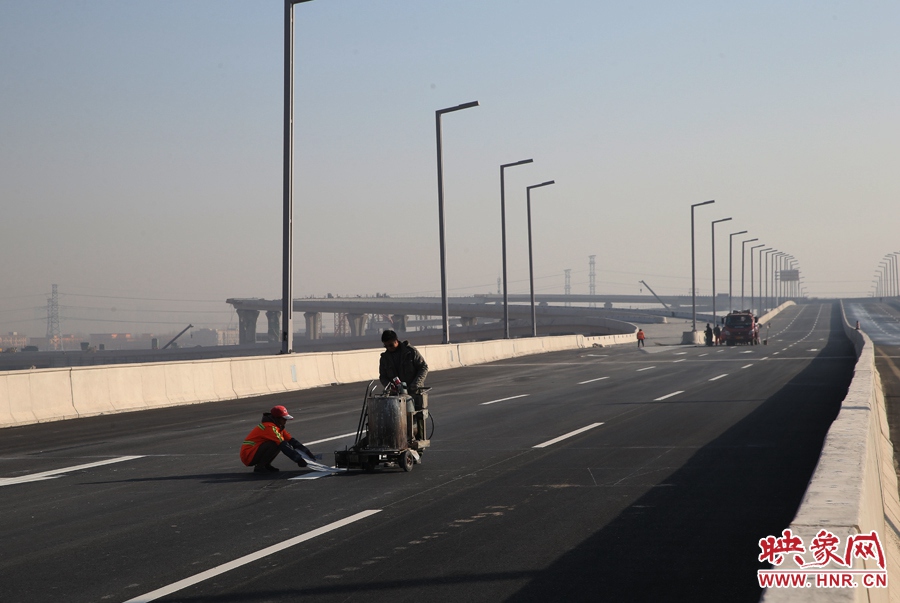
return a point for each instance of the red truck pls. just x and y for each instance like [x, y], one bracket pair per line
[740, 327]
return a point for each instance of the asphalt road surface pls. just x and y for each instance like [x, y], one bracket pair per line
[677, 461]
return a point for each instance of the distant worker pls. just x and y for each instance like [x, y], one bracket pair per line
[401, 360]
[709, 334]
[717, 332]
[268, 438]
[640, 338]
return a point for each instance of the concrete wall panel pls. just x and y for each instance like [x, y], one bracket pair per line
[126, 390]
[248, 377]
[356, 366]
[153, 385]
[90, 391]
[51, 395]
[6, 417]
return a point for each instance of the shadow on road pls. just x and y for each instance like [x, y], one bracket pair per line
[697, 540]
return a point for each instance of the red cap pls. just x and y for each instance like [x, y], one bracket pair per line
[280, 412]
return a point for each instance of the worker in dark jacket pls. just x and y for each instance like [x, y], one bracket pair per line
[403, 361]
[268, 438]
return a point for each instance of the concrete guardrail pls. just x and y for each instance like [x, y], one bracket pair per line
[854, 487]
[40, 395]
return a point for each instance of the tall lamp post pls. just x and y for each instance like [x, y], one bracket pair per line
[744, 263]
[694, 269]
[287, 307]
[440, 179]
[730, 264]
[768, 301]
[752, 295]
[530, 255]
[503, 239]
[713, 227]
[761, 252]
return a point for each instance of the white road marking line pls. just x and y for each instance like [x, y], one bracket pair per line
[702, 355]
[719, 351]
[719, 377]
[775, 353]
[764, 358]
[746, 366]
[504, 399]
[345, 435]
[36, 477]
[227, 567]
[682, 360]
[747, 352]
[669, 395]
[680, 353]
[592, 380]
[568, 435]
[814, 350]
[646, 368]
[318, 474]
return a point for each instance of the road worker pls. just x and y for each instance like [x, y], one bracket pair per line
[640, 338]
[268, 438]
[403, 361]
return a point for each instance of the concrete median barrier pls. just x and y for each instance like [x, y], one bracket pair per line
[88, 391]
[51, 395]
[6, 417]
[355, 366]
[248, 377]
[853, 489]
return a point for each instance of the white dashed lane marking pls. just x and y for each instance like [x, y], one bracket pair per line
[668, 396]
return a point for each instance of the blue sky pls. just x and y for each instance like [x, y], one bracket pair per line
[141, 147]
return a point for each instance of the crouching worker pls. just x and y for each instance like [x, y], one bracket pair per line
[267, 439]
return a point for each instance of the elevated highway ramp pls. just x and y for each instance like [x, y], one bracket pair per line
[597, 474]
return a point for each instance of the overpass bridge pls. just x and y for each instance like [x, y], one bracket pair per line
[468, 311]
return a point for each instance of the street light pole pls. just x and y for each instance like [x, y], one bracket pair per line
[730, 264]
[744, 263]
[287, 245]
[713, 227]
[440, 179]
[503, 239]
[761, 251]
[752, 296]
[768, 300]
[694, 269]
[531, 256]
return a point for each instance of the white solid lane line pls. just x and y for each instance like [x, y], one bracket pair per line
[345, 435]
[719, 377]
[36, 477]
[592, 380]
[669, 395]
[227, 567]
[646, 368]
[682, 360]
[568, 435]
[746, 366]
[504, 399]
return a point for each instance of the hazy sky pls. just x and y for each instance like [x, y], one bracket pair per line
[141, 146]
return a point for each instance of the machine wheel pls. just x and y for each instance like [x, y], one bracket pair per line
[405, 460]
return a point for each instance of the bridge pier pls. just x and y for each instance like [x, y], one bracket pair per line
[247, 326]
[274, 318]
[313, 324]
[400, 322]
[357, 324]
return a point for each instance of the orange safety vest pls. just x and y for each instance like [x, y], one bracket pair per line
[640, 334]
[261, 433]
